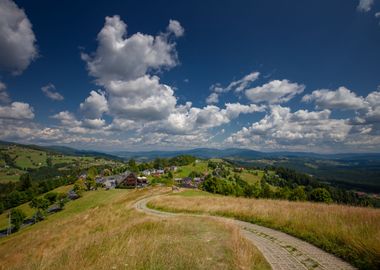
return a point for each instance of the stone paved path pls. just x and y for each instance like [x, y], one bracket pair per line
[282, 251]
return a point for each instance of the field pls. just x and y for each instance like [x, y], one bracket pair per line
[184, 171]
[24, 158]
[349, 232]
[27, 209]
[252, 177]
[103, 231]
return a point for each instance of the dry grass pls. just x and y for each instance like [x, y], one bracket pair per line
[103, 231]
[352, 233]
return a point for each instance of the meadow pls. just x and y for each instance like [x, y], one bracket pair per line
[351, 233]
[102, 230]
[29, 212]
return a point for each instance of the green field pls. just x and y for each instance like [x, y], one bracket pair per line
[184, 171]
[27, 209]
[250, 176]
[24, 158]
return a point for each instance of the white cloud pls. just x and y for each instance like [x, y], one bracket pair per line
[50, 91]
[212, 98]
[121, 64]
[94, 123]
[17, 40]
[67, 119]
[4, 97]
[176, 28]
[342, 98]
[283, 129]
[119, 57]
[274, 92]
[94, 105]
[238, 85]
[17, 110]
[144, 98]
[365, 5]
[188, 119]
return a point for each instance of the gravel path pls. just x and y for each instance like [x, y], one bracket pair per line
[281, 250]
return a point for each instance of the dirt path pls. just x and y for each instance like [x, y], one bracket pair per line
[281, 250]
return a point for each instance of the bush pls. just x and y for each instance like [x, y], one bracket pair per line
[51, 197]
[320, 195]
[17, 218]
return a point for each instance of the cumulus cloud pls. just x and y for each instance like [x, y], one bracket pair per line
[365, 5]
[274, 92]
[212, 98]
[175, 28]
[144, 98]
[67, 119]
[342, 98]
[17, 40]
[122, 65]
[119, 57]
[17, 110]
[282, 128]
[94, 105]
[188, 119]
[50, 91]
[4, 97]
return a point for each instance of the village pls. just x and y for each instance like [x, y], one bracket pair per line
[129, 179]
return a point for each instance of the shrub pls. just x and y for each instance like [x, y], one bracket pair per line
[320, 195]
[17, 218]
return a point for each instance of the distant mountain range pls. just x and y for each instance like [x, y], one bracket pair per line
[64, 150]
[241, 154]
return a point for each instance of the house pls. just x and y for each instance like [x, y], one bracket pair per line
[188, 182]
[132, 180]
[72, 195]
[146, 172]
[173, 168]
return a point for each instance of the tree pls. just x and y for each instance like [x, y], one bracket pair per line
[1, 207]
[41, 204]
[79, 187]
[92, 173]
[51, 197]
[62, 199]
[132, 165]
[298, 194]
[25, 181]
[106, 172]
[320, 195]
[17, 218]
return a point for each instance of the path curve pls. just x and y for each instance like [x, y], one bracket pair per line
[282, 251]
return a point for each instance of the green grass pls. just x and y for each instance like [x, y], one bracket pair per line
[10, 175]
[184, 171]
[27, 209]
[250, 177]
[27, 158]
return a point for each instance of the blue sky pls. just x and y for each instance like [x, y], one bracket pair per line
[130, 75]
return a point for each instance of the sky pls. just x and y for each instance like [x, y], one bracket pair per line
[267, 75]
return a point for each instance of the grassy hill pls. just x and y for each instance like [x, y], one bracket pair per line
[349, 232]
[103, 231]
[17, 159]
[27, 209]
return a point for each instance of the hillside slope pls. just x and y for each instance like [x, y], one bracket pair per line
[103, 231]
